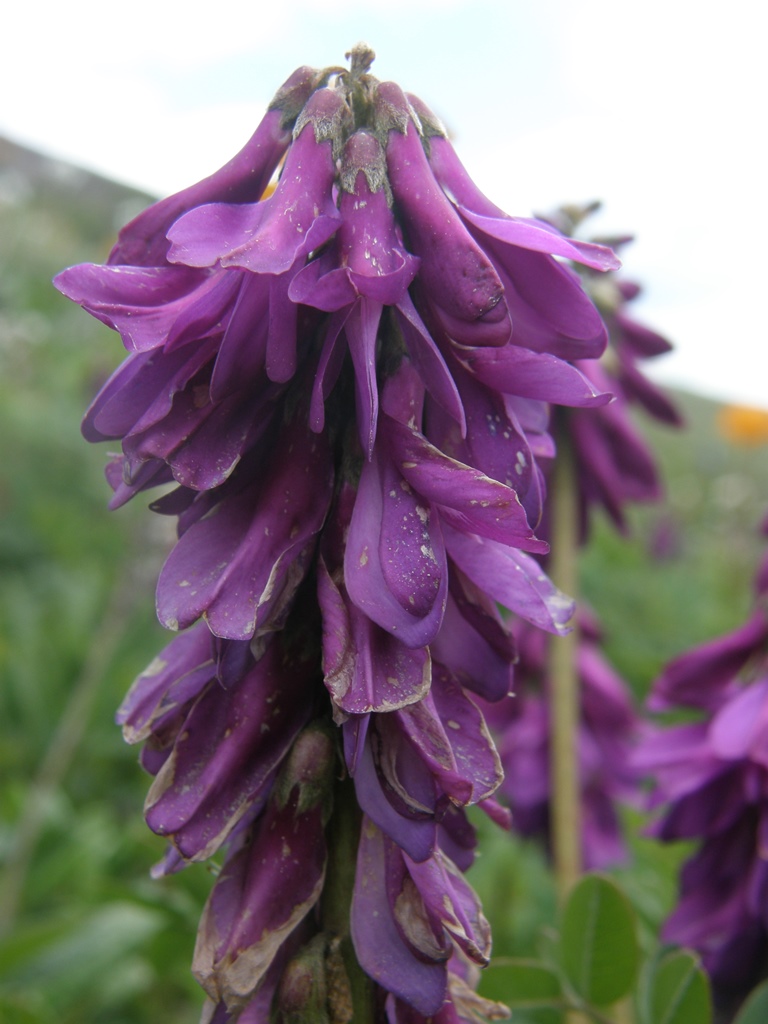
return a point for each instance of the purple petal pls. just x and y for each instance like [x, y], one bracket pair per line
[241, 357]
[459, 278]
[700, 677]
[512, 578]
[202, 442]
[450, 735]
[176, 676]
[495, 442]
[369, 240]
[637, 388]
[151, 474]
[268, 237]
[144, 303]
[538, 236]
[361, 329]
[225, 757]
[281, 356]
[452, 900]
[328, 369]
[738, 729]
[538, 375]
[477, 664]
[549, 308]
[366, 669]
[394, 565]
[643, 342]
[141, 391]
[528, 234]
[415, 835]
[380, 948]
[323, 284]
[235, 566]
[242, 179]
[429, 362]
[468, 499]
[262, 894]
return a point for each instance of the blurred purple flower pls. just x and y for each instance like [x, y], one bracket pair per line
[711, 784]
[614, 465]
[607, 733]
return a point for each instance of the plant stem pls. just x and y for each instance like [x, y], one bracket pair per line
[343, 840]
[564, 685]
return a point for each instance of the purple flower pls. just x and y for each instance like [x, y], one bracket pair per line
[271, 880]
[243, 179]
[240, 560]
[345, 388]
[216, 747]
[423, 911]
[712, 779]
[700, 677]
[605, 739]
[411, 766]
[614, 465]
[711, 784]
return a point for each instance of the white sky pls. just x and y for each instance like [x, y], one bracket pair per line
[658, 109]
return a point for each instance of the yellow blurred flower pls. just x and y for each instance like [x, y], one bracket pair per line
[743, 424]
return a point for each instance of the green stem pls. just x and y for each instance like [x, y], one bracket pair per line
[343, 840]
[564, 683]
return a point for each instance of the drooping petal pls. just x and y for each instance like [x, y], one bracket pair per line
[455, 273]
[449, 734]
[226, 756]
[261, 895]
[243, 179]
[467, 498]
[394, 566]
[480, 664]
[539, 375]
[429, 362]
[177, 675]
[700, 677]
[476, 208]
[141, 392]
[738, 729]
[361, 329]
[453, 902]
[268, 237]
[144, 304]
[512, 578]
[241, 355]
[380, 947]
[414, 832]
[365, 667]
[234, 566]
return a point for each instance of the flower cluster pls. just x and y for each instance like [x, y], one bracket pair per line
[711, 778]
[342, 384]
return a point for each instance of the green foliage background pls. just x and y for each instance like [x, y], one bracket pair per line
[85, 934]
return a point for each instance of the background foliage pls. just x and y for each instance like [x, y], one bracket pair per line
[85, 934]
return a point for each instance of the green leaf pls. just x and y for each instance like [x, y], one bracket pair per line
[598, 944]
[755, 1009]
[94, 947]
[522, 984]
[679, 991]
